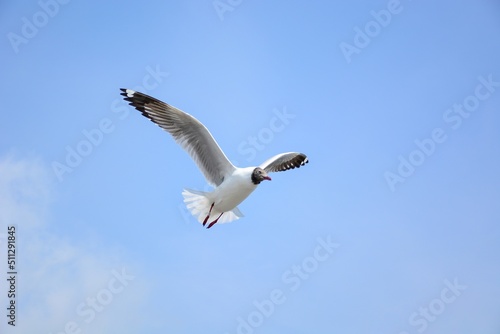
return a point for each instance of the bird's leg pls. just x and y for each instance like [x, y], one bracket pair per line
[214, 222]
[209, 212]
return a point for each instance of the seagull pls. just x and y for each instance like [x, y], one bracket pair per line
[232, 184]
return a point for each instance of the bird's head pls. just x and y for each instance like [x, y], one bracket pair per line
[259, 175]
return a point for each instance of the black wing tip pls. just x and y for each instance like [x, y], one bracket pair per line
[133, 99]
[139, 101]
[137, 98]
[130, 94]
[304, 159]
[296, 162]
[124, 91]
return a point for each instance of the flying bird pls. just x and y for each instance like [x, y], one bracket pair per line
[232, 184]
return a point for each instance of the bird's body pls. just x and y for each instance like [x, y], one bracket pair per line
[232, 184]
[226, 197]
[233, 190]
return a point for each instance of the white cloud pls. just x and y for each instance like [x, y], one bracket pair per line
[61, 281]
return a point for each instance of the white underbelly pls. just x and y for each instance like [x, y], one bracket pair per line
[230, 194]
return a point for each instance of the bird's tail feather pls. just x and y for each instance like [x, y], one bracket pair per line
[198, 203]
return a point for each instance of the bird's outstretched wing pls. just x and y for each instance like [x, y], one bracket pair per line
[188, 132]
[284, 161]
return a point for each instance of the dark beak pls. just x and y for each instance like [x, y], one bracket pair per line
[267, 178]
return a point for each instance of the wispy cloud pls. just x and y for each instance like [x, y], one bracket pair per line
[63, 284]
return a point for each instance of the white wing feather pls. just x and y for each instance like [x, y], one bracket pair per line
[188, 132]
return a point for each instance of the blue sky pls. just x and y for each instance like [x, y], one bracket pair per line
[393, 226]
